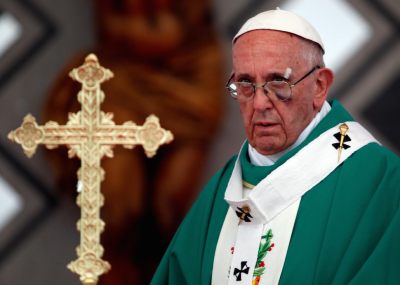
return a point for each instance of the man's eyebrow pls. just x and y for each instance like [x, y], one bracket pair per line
[241, 75]
[277, 74]
[270, 75]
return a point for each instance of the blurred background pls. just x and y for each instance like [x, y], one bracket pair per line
[170, 58]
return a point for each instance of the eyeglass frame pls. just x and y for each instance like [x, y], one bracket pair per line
[254, 86]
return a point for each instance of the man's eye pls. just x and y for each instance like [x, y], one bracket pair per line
[245, 81]
[279, 79]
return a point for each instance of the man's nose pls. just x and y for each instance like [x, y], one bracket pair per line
[261, 101]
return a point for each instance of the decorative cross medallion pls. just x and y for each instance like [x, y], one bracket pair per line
[244, 269]
[244, 214]
[342, 138]
[90, 135]
[346, 138]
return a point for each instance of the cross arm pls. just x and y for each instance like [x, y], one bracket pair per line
[151, 135]
[30, 135]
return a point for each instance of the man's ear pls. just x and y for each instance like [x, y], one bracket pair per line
[323, 79]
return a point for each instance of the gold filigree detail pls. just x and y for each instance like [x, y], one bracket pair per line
[74, 150]
[29, 135]
[90, 134]
[152, 136]
[106, 150]
[91, 74]
[74, 119]
[106, 118]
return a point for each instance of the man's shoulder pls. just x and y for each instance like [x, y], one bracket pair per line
[373, 166]
[377, 155]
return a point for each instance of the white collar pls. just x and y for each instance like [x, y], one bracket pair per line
[266, 160]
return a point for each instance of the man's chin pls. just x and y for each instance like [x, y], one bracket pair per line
[271, 152]
[268, 148]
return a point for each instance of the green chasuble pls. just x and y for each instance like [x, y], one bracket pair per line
[347, 229]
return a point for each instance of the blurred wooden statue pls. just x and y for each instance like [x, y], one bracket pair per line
[166, 61]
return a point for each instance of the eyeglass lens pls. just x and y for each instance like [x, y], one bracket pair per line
[275, 90]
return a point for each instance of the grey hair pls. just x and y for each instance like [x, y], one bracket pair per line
[311, 53]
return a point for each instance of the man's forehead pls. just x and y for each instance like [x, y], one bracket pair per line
[266, 44]
[267, 52]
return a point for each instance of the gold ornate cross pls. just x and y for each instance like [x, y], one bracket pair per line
[90, 135]
[343, 129]
[246, 210]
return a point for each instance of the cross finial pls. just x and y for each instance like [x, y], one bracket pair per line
[91, 74]
[29, 135]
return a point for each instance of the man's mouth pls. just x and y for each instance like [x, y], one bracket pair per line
[266, 125]
[266, 128]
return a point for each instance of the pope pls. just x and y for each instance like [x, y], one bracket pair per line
[311, 198]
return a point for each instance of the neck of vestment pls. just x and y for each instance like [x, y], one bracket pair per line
[253, 174]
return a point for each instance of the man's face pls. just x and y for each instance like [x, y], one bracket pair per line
[264, 55]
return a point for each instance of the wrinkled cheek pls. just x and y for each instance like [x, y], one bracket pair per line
[283, 131]
[247, 119]
[250, 132]
[294, 131]
[282, 135]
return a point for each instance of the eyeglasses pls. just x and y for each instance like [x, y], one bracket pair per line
[275, 90]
